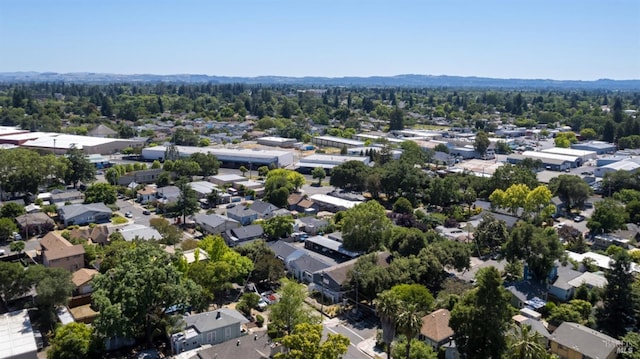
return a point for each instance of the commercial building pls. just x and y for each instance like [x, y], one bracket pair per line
[277, 141]
[598, 147]
[575, 161]
[379, 139]
[229, 157]
[338, 142]
[548, 163]
[625, 165]
[62, 143]
[362, 151]
[332, 204]
[17, 338]
[582, 154]
[307, 164]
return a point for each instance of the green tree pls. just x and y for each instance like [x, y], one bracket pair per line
[14, 281]
[320, 174]
[480, 319]
[441, 147]
[7, 228]
[71, 341]
[538, 247]
[396, 119]
[617, 313]
[112, 175]
[208, 163]
[148, 284]
[349, 176]
[571, 189]
[17, 246]
[402, 205]
[608, 216]
[187, 203]
[290, 311]
[632, 343]
[588, 134]
[525, 343]
[490, 234]
[263, 171]
[278, 227]
[101, 193]
[11, 210]
[387, 307]
[54, 287]
[79, 168]
[243, 170]
[305, 342]
[364, 226]
[419, 349]
[481, 143]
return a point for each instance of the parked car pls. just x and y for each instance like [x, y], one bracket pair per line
[128, 214]
[2, 252]
[146, 212]
[579, 218]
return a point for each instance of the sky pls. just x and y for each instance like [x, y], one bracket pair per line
[542, 39]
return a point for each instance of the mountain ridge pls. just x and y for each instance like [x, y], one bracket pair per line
[401, 80]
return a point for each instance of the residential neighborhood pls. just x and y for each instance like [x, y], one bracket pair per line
[203, 236]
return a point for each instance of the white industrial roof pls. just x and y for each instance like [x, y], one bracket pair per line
[570, 152]
[24, 135]
[65, 141]
[552, 156]
[202, 186]
[9, 130]
[276, 139]
[16, 334]
[623, 165]
[229, 178]
[219, 152]
[334, 201]
[601, 261]
[341, 140]
[330, 159]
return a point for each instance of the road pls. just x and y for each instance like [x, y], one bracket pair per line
[355, 333]
[136, 211]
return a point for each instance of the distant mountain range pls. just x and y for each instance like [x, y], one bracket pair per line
[373, 81]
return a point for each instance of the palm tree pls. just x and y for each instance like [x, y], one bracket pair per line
[409, 322]
[525, 343]
[387, 307]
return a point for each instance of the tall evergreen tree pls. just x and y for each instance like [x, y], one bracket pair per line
[617, 313]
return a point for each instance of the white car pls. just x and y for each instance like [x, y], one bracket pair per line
[2, 252]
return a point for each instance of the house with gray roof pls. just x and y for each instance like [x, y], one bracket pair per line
[560, 277]
[282, 250]
[263, 209]
[242, 214]
[59, 198]
[572, 340]
[215, 223]
[208, 328]
[241, 235]
[140, 232]
[303, 267]
[310, 225]
[81, 214]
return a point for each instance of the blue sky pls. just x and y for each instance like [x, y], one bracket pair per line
[557, 39]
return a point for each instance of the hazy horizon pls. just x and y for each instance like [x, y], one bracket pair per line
[556, 40]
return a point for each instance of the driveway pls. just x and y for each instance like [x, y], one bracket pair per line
[136, 211]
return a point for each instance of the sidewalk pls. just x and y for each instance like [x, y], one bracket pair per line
[368, 346]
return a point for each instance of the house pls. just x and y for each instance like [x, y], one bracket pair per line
[527, 293]
[310, 225]
[242, 214]
[146, 195]
[81, 214]
[240, 235]
[144, 176]
[572, 340]
[97, 234]
[59, 198]
[208, 328]
[82, 280]
[560, 276]
[282, 250]
[559, 205]
[435, 330]
[536, 325]
[58, 252]
[140, 232]
[330, 281]
[35, 223]
[330, 247]
[215, 223]
[17, 338]
[263, 209]
[302, 204]
[191, 257]
[168, 194]
[304, 266]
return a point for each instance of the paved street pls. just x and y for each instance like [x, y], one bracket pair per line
[136, 211]
[356, 334]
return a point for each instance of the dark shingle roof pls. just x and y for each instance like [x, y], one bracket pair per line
[247, 232]
[208, 321]
[262, 208]
[586, 341]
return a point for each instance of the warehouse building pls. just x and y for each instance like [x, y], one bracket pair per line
[277, 141]
[575, 161]
[331, 203]
[379, 139]
[362, 151]
[553, 164]
[337, 142]
[598, 147]
[62, 143]
[626, 165]
[582, 154]
[307, 164]
[229, 157]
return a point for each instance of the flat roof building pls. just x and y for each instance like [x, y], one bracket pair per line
[583, 154]
[276, 141]
[625, 165]
[61, 143]
[549, 163]
[230, 157]
[338, 142]
[575, 161]
[333, 204]
[17, 340]
[307, 164]
[598, 147]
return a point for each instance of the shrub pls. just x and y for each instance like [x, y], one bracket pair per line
[259, 321]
